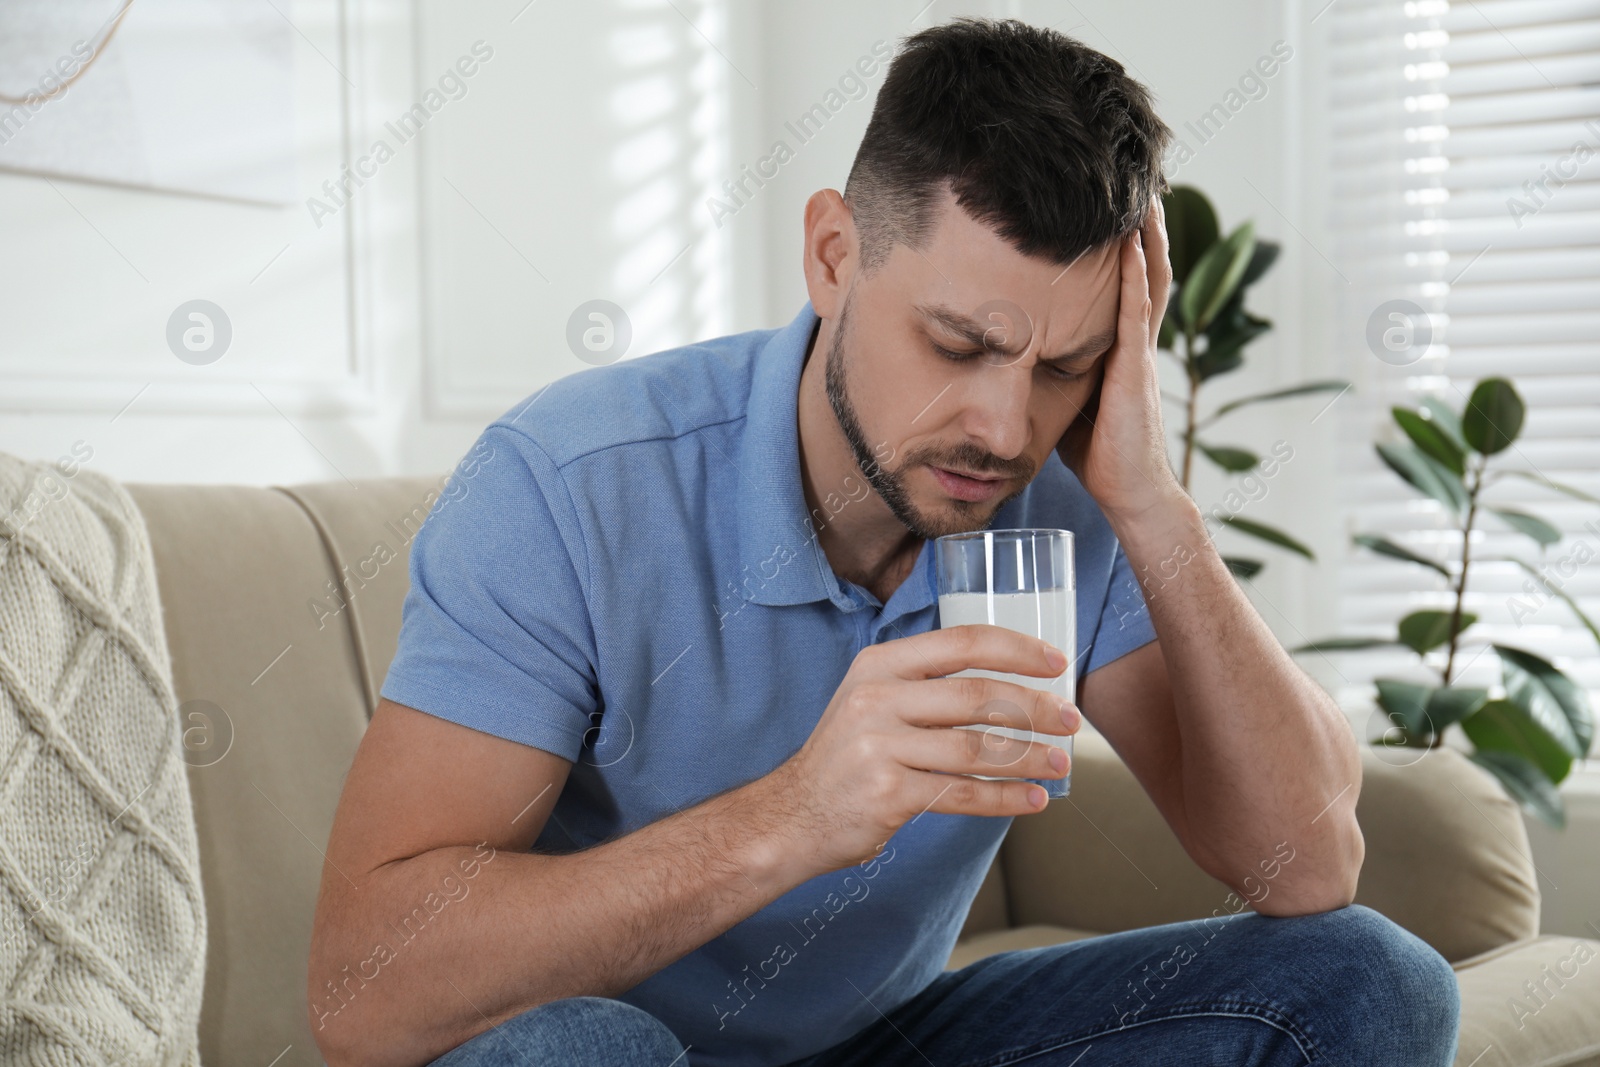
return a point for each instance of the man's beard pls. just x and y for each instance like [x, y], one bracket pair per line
[890, 484]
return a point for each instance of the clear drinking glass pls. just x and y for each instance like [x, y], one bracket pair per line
[1022, 580]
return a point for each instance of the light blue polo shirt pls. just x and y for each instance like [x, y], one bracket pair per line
[627, 577]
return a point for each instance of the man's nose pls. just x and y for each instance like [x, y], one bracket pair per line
[997, 408]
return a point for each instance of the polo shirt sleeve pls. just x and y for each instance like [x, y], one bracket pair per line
[495, 631]
[1124, 621]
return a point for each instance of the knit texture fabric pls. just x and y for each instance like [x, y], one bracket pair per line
[102, 922]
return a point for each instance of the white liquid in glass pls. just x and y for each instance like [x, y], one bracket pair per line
[1051, 615]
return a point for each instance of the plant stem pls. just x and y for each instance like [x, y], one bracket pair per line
[1191, 412]
[1466, 557]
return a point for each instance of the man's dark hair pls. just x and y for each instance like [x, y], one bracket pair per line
[1045, 140]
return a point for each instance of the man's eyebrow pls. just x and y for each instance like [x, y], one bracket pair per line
[972, 330]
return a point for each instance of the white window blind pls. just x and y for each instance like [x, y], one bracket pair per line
[1465, 178]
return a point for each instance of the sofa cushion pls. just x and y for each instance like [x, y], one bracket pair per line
[1446, 853]
[271, 692]
[282, 612]
[368, 533]
[1532, 1003]
[1102, 858]
[103, 919]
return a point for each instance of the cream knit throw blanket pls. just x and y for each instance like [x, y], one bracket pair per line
[102, 925]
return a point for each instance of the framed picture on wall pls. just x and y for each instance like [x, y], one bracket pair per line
[191, 96]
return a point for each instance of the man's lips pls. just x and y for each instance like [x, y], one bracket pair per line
[966, 486]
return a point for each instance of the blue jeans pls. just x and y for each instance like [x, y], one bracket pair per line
[1345, 987]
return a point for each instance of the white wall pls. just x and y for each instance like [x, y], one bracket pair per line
[381, 338]
[96, 270]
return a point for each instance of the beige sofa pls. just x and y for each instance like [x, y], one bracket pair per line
[288, 671]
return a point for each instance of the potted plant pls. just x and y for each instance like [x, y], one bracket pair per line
[1206, 329]
[1530, 735]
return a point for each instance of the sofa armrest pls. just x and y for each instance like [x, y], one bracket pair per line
[1446, 854]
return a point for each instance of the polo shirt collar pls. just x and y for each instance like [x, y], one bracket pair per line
[781, 561]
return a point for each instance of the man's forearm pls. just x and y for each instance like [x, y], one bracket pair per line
[1267, 756]
[409, 967]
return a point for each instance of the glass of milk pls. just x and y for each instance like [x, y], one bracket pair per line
[1022, 580]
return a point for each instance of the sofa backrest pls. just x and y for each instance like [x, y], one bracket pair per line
[281, 608]
[1447, 854]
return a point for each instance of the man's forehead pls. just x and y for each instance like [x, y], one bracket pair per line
[969, 282]
[992, 268]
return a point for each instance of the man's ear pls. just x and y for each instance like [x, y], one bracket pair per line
[829, 239]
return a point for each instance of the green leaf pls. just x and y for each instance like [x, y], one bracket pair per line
[1209, 364]
[1215, 276]
[1277, 394]
[1424, 711]
[1422, 631]
[1242, 567]
[1406, 703]
[1228, 457]
[1549, 697]
[1576, 494]
[1345, 644]
[1262, 257]
[1522, 780]
[1425, 473]
[1269, 534]
[1502, 726]
[1452, 704]
[1531, 525]
[1554, 590]
[1191, 228]
[1493, 417]
[1447, 420]
[1385, 547]
[1229, 332]
[1426, 435]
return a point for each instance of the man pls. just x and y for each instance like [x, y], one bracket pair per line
[668, 727]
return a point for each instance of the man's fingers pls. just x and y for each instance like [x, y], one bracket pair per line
[1157, 248]
[979, 752]
[980, 646]
[1134, 312]
[988, 702]
[956, 794]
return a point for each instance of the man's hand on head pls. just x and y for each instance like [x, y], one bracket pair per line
[1117, 446]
